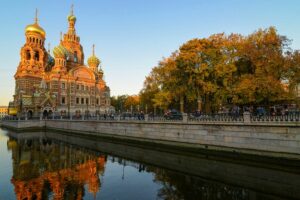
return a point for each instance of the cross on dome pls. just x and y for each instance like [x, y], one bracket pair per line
[36, 20]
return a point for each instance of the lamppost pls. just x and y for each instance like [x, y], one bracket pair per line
[181, 104]
[199, 103]
[69, 95]
[87, 107]
[20, 103]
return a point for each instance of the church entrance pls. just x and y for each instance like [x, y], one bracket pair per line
[45, 114]
[30, 114]
[50, 113]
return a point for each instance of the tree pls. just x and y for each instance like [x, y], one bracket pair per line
[262, 55]
[225, 69]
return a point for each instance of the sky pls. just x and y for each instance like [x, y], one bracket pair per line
[132, 36]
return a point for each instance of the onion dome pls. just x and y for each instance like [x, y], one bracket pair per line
[72, 17]
[60, 52]
[50, 61]
[100, 73]
[93, 61]
[35, 28]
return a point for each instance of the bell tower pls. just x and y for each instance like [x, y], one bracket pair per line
[33, 60]
[33, 54]
[72, 43]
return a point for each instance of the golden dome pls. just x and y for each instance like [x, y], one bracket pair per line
[36, 29]
[93, 61]
[72, 18]
[60, 52]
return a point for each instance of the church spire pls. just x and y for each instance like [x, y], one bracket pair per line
[72, 21]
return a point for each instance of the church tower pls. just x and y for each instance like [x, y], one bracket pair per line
[34, 58]
[72, 43]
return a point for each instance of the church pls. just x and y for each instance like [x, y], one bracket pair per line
[61, 85]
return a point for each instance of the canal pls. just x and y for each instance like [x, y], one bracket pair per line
[51, 165]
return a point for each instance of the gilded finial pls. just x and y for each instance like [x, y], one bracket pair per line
[93, 61]
[36, 20]
[60, 36]
[49, 47]
[72, 17]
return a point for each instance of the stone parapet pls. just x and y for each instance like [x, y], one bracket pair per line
[270, 140]
[276, 140]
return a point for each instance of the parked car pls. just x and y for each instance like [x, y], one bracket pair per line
[173, 115]
[260, 111]
[195, 115]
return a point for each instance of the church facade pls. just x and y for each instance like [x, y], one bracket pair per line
[60, 85]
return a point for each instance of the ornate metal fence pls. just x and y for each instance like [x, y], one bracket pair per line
[217, 118]
[293, 117]
[214, 118]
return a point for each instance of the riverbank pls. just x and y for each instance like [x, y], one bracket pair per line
[272, 140]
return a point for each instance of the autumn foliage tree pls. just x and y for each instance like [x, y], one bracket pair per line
[125, 103]
[225, 70]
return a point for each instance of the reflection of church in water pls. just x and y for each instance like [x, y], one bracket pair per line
[63, 84]
[46, 169]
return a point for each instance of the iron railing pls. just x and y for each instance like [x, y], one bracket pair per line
[213, 118]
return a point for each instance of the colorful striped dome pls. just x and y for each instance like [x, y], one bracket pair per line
[60, 52]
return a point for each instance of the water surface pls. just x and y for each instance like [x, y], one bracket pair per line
[41, 165]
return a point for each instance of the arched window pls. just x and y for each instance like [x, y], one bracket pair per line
[28, 55]
[75, 57]
[36, 56]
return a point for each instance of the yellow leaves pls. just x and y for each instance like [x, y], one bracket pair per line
[248, 69]
[162, 99]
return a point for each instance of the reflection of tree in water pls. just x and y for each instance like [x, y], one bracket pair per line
[44, 169]
[176, 185]
[179, 186]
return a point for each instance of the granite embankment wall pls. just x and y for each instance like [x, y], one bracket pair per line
[277, 140]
